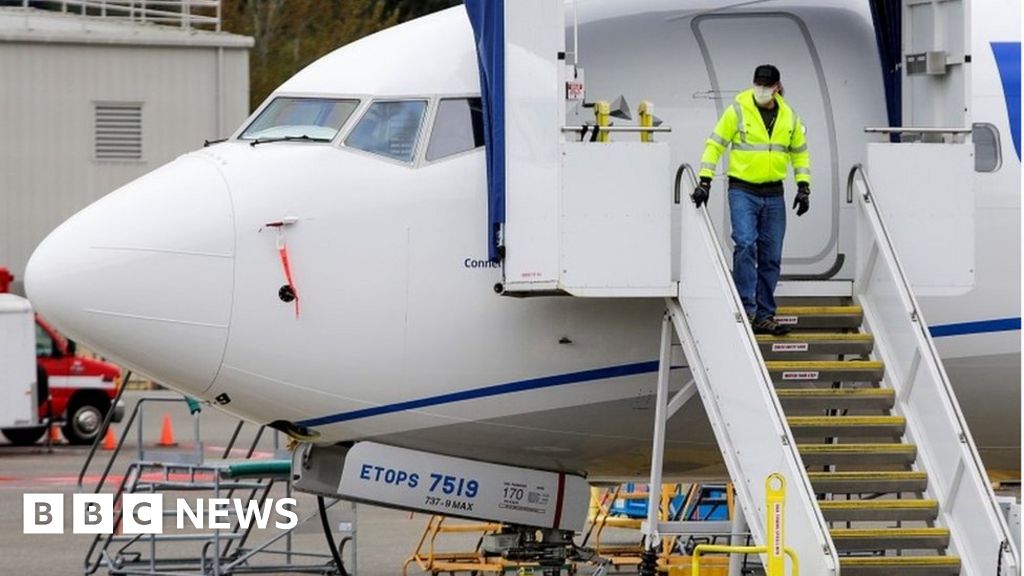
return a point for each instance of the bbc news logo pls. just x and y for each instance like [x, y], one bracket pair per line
[144, 513]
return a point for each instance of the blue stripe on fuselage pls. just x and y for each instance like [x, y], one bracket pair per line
[496, 390]
[979, 327]
[940, 331]
[1007, 56]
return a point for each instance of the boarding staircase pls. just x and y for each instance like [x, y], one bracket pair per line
[869, 485]
[853, 407]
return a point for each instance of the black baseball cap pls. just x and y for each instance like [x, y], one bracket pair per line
[766, 75]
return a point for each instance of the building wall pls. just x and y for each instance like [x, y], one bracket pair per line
[47, 97]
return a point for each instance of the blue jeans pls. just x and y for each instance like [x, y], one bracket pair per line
[758, 226]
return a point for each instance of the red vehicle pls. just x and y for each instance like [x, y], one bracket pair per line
[74, 391]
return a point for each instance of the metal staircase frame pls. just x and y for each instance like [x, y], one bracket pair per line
[737, 392]
[751, 427]
[935, 423]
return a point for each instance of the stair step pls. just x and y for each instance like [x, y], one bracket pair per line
[800, 317]
[879, 510]
[855, 426]
[868, 482]
[837, 398]
[856, 539]
[806, 343]
[857, 454]
[900, 566]
[788, 372]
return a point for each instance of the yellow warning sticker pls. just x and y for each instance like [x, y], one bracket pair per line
[801, 375]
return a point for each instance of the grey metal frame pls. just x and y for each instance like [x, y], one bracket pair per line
[223, 551]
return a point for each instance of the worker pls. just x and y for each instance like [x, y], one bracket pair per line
[765, 136]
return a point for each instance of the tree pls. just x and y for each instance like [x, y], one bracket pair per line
[289, 34]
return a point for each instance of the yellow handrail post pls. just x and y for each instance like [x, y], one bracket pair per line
[602, 114]
[775, 549]
[775, 500]
[646, 110]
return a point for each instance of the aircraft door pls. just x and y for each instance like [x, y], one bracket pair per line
[732, 45]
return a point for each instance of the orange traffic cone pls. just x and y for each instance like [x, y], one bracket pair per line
[109, 442]
[167, 433]
[54, 434]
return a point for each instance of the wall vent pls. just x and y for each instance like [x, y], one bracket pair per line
[118, 131]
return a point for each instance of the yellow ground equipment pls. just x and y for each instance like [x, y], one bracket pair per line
[672, 558]
[775, 527]
[434, 562]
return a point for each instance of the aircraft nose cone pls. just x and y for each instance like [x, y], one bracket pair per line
[145, 275]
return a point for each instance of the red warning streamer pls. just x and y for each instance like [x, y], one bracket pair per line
[282, 250]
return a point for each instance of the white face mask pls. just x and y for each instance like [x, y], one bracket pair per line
[763, 94]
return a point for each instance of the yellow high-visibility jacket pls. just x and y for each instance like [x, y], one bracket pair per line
[755, 157]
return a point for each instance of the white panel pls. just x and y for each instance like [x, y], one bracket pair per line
[926, 196]
[616, 219]
[534, 35]
[17, 362]
[463, 488]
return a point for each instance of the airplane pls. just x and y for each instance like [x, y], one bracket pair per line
[325, 269]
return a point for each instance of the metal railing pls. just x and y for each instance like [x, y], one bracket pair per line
[238, 549]
[742, 406]
[185, 14]
[924, 394]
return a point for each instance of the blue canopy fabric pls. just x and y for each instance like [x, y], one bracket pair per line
[888, 18]
[488, 20]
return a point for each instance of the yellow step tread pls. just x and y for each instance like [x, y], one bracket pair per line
[900, 561]
[838, 392]
[845, 420]
[824, 365]
[884, 475]
[876, 504]
[819, 310]
[816, 336]
[840, 448]
[887, 532]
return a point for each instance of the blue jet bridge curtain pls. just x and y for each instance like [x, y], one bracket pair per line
[488, 20]
[888, 18]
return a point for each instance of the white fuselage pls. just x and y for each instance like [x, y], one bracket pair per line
[400, 336]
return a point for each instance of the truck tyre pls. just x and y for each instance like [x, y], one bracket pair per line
[24, 436]
[84, 417]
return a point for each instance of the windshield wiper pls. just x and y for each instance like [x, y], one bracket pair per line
[302, 138]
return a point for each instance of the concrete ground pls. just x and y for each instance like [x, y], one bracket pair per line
[385, 538]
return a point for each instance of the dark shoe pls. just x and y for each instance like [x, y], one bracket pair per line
[768, 325]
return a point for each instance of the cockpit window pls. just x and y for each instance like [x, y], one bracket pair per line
[458, 127]
[389, 129]
[314, 118]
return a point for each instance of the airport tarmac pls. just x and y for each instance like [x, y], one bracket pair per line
[385, 538]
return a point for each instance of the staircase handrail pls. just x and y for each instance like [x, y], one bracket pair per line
[1006, 560]
[746, 415]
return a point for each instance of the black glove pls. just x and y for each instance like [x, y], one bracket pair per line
[802, 203]
[701, 192]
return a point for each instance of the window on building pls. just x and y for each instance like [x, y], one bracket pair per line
[390, 129]
[987, 154]
[118, 131]
[458, 127]
[315, 118]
